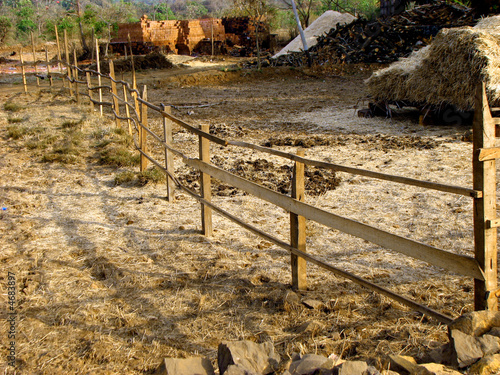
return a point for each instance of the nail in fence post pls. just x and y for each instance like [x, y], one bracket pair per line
[23, 71]
[116, 104]
[169, 161]
[34, 58]
[142, 133]
[127, 109]
[98, 75]
[68, 65]
[48, 66]
[75, 76]
[59, 56]
[484, 176]
[206, 190]
[89, 85]
[298, 228]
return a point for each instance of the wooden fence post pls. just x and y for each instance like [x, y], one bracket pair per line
[169, 161]
[298, 228]
[99, 80]
[206, 189]
[23, 71]
[68, 65]
[34, 59]
[485, 237]
[127, 109]
[89, 85]
[49, 76]
[116, 103]
[75, 76]
[59, 56]
[142, 132]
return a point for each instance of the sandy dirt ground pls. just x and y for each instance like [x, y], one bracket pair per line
[111, 277]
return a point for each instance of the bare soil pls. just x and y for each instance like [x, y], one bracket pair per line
[113, 278]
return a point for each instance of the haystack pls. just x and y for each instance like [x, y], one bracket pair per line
[320, 26]
[446, 71]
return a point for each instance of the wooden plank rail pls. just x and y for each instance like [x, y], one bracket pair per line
[461, 264]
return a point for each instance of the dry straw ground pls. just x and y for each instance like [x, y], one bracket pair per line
[112, 278]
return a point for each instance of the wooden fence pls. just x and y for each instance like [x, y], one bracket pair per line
[131, 108]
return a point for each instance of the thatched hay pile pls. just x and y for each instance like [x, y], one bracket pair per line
[447, 70]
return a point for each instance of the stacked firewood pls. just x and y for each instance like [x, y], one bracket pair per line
[382, 41]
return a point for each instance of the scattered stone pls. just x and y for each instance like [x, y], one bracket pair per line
[495, 331]
[353, 368]
[467, 348]
[292, 298]
[476, 323]
[402, 362]
[312, 326]
[309, 363]
[371, 371]
[313, 304]
[389, 372]
[434, 369]
[238, 370]
[253, 357]
[183, 366]
[489, 365]
[489, 344]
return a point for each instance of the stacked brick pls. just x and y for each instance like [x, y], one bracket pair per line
[183, 36]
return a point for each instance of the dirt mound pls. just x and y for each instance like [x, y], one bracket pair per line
[273, 176]
[154, 60]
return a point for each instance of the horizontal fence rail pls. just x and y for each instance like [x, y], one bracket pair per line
[481, 267]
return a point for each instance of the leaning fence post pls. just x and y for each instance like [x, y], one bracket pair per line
[116, 104]
[34, 59]
[169, 161]
[142, 132]
[485, 236]
[23, 71]
[206, 190]
[127, 109]
[298, 228]
[99, 76]
[89, 86]
[68, 65]
[75, 76]
[59, 56]
[49, 76]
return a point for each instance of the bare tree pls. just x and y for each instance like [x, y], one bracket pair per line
[304, 9]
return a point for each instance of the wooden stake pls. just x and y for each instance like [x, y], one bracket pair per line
[48, 66]
[68, 66]
[116, 104]
[75, 76]
[142, 133]
[298, 228]
[89, 85]
[23, 71]
[169, 161]
[59, 56]
[99, 81]
[127, 109]
[134, 78]
[206, 189]
[34, 58]
[484, 175]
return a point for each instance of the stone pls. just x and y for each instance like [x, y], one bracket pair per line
[253, 357]
[312, 326]
[489, 365]
[309, 363]
[434, 369]
[389, 372]
[489, 344]
[371, 370]
[313, 304]
[183, 366]
[495, 331]
[353, 368]
[467, 348]
[402, 362]
[292, 298]
[476, 323]
[238, 370]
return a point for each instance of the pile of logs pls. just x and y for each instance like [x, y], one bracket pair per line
[382, 41]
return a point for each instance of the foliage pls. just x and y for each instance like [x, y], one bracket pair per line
[162, 12]
[25, 22]
[195, 9]
[5, 26]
